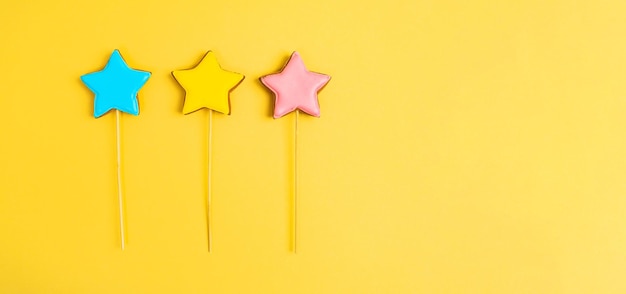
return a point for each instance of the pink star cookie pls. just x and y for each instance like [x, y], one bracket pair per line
[295, 88]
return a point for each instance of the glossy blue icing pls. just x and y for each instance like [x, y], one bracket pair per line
[116, 86]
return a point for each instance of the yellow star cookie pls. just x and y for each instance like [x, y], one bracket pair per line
[207, 85]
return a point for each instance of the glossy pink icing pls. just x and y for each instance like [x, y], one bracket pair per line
[295, 88]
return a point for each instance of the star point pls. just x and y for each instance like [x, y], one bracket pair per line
[207, 85]
[295, 87]
[115, 86]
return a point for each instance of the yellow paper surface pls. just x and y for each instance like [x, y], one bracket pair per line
[463, 147]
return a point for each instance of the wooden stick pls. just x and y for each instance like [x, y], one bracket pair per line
[209, 163]
[295, 182]
[119, 178]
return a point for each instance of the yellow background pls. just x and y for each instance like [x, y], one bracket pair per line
[464, 147]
